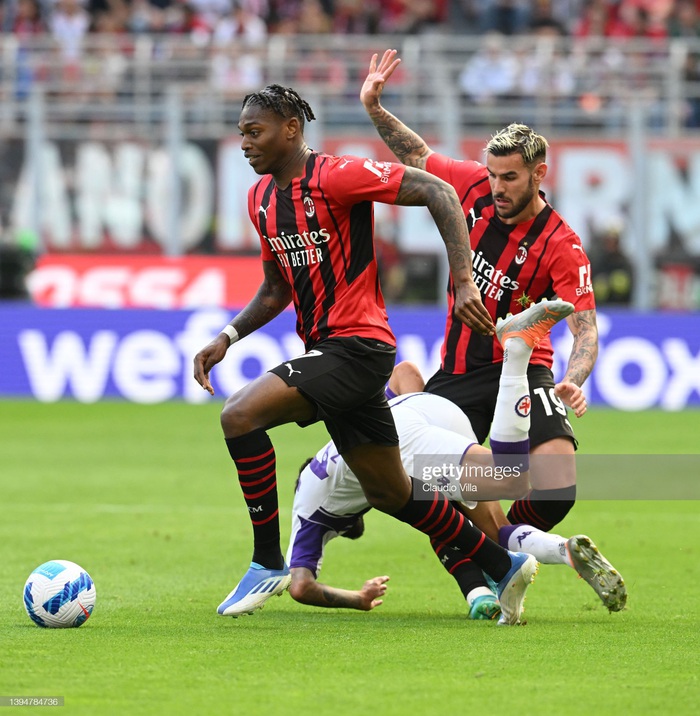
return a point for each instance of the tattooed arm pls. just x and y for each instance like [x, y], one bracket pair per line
[272, 298]
[422, 189]
[306, 590]
[408, 147]
[584, 352]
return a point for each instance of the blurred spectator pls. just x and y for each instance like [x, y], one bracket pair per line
[208, 12]
[236, 67]
[684, 21]
[635, 20]
[657, 11]
[28, 21]
[490, 73]
[187, 19]
[281, 13]
[543, 21]
[241, 25]
[313, 18]
[611, 269]
[507, 17]
[235, 71]
[357, 16]
[109, 17]
[409, 17]
[597, 19]
[69, 25]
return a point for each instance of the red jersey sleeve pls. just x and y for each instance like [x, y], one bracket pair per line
[355, 179]
[570, 270]
[461, 174]
[266, 253]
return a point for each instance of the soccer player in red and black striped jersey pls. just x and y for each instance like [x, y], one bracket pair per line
[314, 216]
[522, 251]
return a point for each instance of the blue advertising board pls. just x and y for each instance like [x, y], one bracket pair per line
[145, 356]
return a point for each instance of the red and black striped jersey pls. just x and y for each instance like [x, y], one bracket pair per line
[320, 232]
[513, 266]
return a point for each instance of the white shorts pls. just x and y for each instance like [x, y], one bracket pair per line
[329, 498]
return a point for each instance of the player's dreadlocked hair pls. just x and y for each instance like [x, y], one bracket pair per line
[283, 101]
[518, 138]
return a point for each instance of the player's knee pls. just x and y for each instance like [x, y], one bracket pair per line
[234, 420]
[385, 500]
[406, 378]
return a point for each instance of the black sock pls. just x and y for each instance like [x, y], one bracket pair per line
[543, 508]
[467, 573]
[437, 518]
[255, 461]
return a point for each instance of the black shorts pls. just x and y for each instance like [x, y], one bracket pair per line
[475, 393]
[345, 378]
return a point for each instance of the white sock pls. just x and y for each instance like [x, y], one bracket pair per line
[478, 592]
[516, 356]
[511, 418]
[546, 547]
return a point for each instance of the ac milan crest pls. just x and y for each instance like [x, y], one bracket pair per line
[309, 207]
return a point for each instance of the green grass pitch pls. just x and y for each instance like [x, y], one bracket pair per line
[145, 498]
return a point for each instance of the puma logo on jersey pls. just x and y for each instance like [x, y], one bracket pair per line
[263, 210]
[576, 246]
[474, 217]
[345, 163]
[291, 370]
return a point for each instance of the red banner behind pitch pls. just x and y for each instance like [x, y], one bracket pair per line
[61, 281]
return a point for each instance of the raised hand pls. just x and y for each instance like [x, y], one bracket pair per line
[376, 78]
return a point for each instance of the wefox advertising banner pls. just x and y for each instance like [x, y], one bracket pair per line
[145, 356]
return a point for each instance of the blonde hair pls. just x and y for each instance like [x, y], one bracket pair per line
[518, 138]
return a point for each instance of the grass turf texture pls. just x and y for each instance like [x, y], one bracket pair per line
[145, 498]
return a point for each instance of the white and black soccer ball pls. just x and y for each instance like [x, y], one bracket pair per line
[59, 594]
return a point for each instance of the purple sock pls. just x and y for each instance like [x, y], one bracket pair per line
[504, 534]
[511, 454]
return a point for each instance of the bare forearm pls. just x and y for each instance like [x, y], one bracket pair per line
[271, 299]
[256, 314]
[321, 595]
[585, 349]
[408, 147]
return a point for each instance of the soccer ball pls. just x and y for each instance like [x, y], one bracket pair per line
[59, 594]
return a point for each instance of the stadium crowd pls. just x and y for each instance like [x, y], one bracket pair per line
[253, 20]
